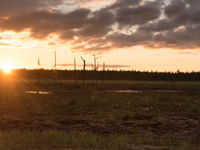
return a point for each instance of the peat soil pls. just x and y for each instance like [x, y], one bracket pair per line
[82, 108]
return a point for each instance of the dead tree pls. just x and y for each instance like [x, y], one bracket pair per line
[55, 65]
[103, 71]
[95, 67]
[39, 66]
[83, 78]
[75, 72]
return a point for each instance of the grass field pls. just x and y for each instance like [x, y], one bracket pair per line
[116, 115]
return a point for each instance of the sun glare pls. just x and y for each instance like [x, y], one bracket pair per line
[7, 68]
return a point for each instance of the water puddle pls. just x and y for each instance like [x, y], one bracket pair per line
[39, 92]
[164, 91]
[109, 91]
[124, 91]
[141, 91]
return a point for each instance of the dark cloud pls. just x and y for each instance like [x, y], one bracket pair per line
[98, 25]
[179, 28]
[43, 23]
[183, 11]
[123, 40]
[67, 35]
[123, 24]
[186, 37]
[141, 14]
[157, 26]
[12, 7]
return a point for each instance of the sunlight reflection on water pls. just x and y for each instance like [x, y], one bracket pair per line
[125, 91]
[39, 92]
[109, 91]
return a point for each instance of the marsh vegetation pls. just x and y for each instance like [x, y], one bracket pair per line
[62, 115]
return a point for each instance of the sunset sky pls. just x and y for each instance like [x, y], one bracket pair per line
[158, 35]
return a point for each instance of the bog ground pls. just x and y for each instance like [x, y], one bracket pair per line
[122, 115]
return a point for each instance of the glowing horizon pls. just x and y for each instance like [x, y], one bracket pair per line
[154, 40]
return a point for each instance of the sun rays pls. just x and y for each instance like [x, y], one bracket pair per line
[7, 67]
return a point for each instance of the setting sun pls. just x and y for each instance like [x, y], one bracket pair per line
[7, 68]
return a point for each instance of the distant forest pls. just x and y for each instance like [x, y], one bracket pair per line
[105, 75]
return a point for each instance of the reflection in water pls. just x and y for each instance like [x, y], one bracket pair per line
[110, 91]
[141, 91]
[39, 92]
[125, 91]
[165, 91]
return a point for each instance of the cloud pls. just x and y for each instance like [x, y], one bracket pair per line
[97, 25]
[184, 37]
[177, 13]
[120, 24]
[92, 4]
[4, 44]
[44, 22]
[178, 28]
[12, 7]
[123, 4]
[138, 15]
[157, 26]
[188, 53]
[91, 65]
[123, 40]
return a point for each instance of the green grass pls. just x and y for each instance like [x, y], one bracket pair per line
[57, 140]
[90, 117]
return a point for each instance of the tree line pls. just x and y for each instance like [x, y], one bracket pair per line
[106, 75]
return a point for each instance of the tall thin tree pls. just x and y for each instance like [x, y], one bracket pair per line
[95, 67]
[103, 72]
[55, 60]
[74, 63]
[55, 65]
[75, 71]
[39, 67]
[84, 64]
[39, 62]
